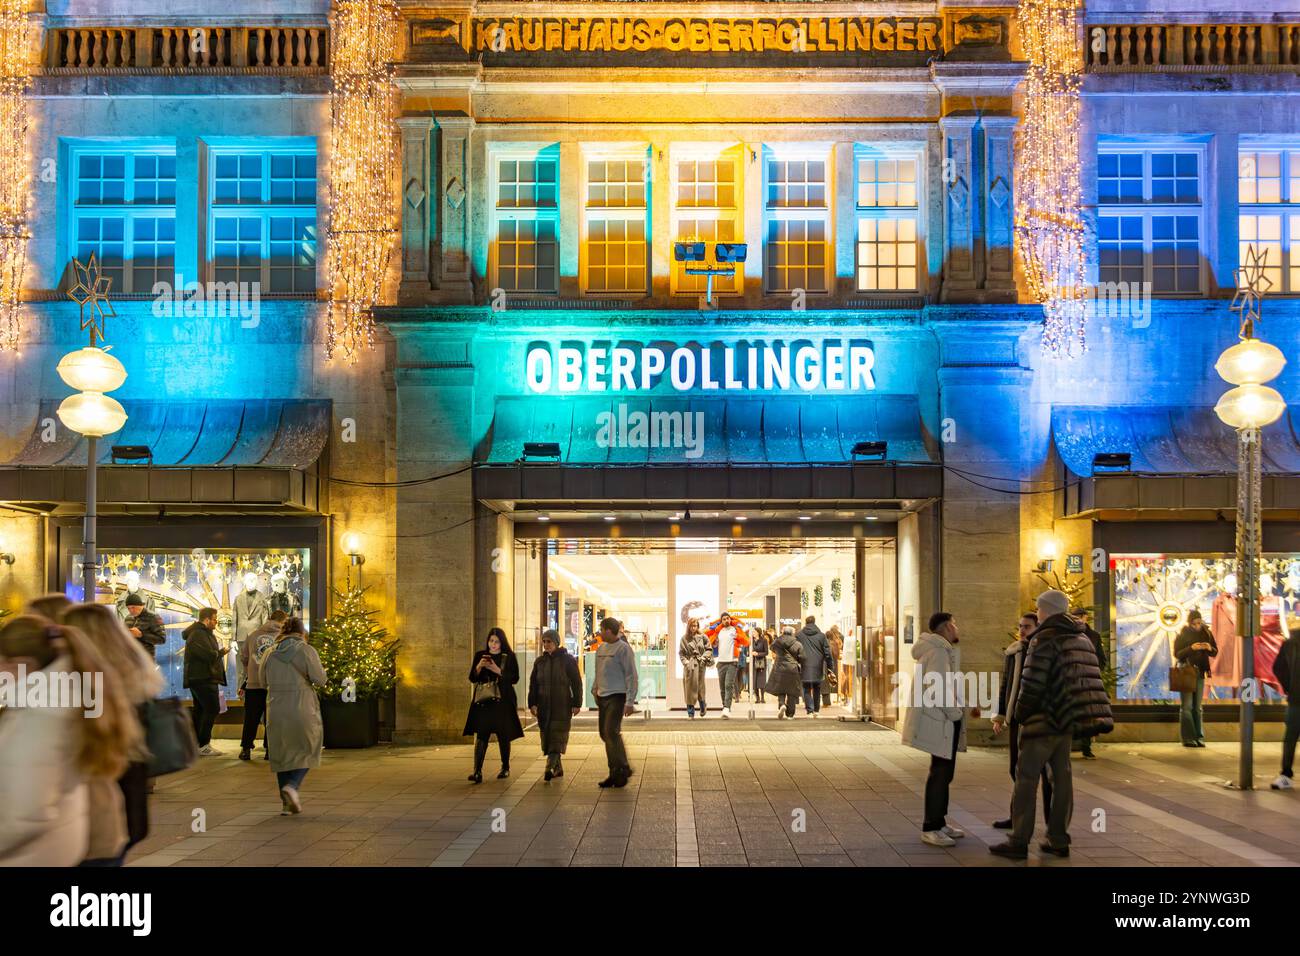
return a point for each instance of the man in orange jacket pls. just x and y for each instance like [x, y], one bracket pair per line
[727, 638]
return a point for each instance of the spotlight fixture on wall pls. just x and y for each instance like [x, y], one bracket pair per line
[728, 252]
[132, 453]
[1112, 461]
[870, 449]
[541, 449]
[6, 557]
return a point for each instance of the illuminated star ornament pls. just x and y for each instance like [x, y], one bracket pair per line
[91, 293]
[1252, 284]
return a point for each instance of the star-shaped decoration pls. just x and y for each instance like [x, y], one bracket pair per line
[1252, 284]
[91, 290]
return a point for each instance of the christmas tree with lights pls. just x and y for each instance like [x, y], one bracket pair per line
[354, 647]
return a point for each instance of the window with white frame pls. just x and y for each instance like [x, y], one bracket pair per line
[123, 202]
[1149, 227]
[526, 246]
[615, 247]
[796, 203]
[707, 199]
[887, 197]
[262, 216]
[1268, 192]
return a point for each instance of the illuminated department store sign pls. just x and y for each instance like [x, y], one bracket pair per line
[832, 365]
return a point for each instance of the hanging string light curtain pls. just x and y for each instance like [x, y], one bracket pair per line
[363, 213]
[19, 32]
[1049, 226]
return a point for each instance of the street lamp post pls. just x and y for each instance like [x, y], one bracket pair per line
[91, 413]
[1248, 408]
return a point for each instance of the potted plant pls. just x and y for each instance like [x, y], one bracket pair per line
[360, 660]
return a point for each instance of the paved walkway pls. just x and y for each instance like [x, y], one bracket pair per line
[746, 794]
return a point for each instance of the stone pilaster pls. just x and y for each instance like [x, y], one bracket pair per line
[418, 219]
[454, 195]
[960, 207]
[999, 208]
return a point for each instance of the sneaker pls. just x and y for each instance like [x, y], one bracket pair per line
[548, 775]
[207, 750]
[780, 713]
[1283, 782]
[1002, 824]
[690, 714]
[244, 754]
[955, 832]
[290, 796]
[937, 838]
[726, 713]
[1010, 851]
[284, 806]
[1063, 851]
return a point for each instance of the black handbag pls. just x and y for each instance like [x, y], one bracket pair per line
[169, 735]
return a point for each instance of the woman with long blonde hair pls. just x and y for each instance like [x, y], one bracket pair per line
[48, 754]
[139, 679]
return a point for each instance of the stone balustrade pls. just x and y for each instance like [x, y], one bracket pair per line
[1158, 48]
[275, 50]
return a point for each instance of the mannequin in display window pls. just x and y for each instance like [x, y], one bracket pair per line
[1225, 669]
[251, 610]
[281, 599]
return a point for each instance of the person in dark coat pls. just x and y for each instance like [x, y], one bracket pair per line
[817, 663]
[1286, 668]
[785, 679]
[1061, 695]
[145, 627]
[497, 714]
[205, 671]
[1084, 617]
[1195, 645]
[1005, 718]
[554, 698]
[759, 648]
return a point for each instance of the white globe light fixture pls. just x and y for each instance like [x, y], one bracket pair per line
[91, 370]
[1250, 362]
[92, 414]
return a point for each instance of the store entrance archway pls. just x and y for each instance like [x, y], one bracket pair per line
[654, 584]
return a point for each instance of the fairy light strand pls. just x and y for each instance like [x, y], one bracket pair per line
[1048, 223]
[363, 213]
[18, 60]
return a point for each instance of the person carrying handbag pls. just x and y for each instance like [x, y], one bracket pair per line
[493, 708]
[1193, 650]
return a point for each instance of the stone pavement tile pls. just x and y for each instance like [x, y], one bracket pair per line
[587, 859]
[825, 859]
[723, 859]
[637, 856]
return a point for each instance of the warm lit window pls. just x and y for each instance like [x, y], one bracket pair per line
[615, 249]
[526, 247]
[797, 214]
[707, 193]
[124, 212]
[1149, 218]
[262, 216]
[1268, 190]
[888, 209]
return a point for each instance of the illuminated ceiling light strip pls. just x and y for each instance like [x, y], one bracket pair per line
[19, 35]
[1048, 226]
[619, 564]
[363, 209]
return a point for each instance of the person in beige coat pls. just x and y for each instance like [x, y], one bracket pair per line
[294, 734]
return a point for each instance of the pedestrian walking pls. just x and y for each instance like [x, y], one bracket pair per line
[1012, 667]
[252, 648]
[935, 723]
[49, 606]
[145, 626]
[1061, 694]
[292, 671]
[1195, 646]
[1084, 616]
[759, 649]
[205, 671]
[831, 683]
[130, 666]
[1286, 668]
[494, 708]
[727, 639]
[554, 698]
[50, 755]
[786, 679]
[697, 657]
[817, 662]
[615, 689]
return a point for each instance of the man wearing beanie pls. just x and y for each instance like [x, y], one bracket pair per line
[554, 698]
[145, 627]
[1061, 694]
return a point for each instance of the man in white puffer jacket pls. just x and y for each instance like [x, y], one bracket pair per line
[934, 721]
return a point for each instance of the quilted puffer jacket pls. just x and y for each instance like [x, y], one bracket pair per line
[1061, 691]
